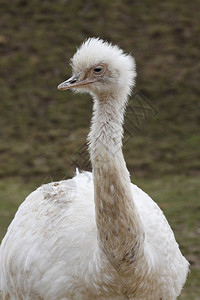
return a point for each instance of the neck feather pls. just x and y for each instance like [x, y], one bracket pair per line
[120, 231]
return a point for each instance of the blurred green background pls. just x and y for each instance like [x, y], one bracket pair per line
[41, 128]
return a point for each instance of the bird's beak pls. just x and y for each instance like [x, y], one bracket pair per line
[74, 82]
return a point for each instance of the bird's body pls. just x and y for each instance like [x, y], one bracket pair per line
[55, 240]
[94, 236]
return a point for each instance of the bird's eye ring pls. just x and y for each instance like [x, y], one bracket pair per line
[98, 69]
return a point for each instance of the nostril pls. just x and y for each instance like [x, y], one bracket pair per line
[73, 81]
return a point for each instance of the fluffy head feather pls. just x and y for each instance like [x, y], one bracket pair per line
[121, 67]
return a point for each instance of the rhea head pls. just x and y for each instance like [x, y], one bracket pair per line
[99, 68]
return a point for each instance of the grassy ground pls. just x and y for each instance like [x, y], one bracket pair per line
[41, 129]
[41, 126]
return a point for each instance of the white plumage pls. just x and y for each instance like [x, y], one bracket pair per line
[94, 236]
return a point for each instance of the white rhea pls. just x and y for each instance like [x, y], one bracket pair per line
[96, 236]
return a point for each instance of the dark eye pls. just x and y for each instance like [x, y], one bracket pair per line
[98, 69]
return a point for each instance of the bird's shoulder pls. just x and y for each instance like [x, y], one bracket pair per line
[64, 191]
[54, 204]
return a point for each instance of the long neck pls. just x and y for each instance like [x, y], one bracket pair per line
[120, 231]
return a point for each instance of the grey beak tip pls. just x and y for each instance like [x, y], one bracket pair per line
[61, 86]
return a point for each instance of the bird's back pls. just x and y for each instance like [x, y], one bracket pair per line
[51, 238]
